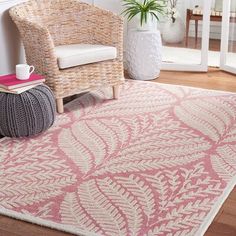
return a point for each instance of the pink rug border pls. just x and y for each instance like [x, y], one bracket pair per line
[44, 223]
[73, 230]
[214, 211]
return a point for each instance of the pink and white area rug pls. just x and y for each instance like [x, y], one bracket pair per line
[161, 160]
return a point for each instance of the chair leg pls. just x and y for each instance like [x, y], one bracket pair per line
[116, 91]
[60, 106]
[196, 32]
[188, 18]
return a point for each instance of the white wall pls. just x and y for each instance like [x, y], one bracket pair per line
[111, 5]
[11, 51]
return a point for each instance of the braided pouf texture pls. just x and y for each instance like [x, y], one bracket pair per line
[28, 113]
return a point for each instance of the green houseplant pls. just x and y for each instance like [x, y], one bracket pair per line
[146, 10]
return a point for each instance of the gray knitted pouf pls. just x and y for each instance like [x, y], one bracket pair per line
[28, 113]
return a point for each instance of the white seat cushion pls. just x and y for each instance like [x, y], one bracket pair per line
[81, 54]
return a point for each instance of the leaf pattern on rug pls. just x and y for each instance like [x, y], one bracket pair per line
[142, 192]
[124, 202]
[177, 210]
[72, 213]
[207, 116]
[76, 150]
[97, 207]
[231, 135]
[43, 211]
[224, 163]
[33, 173]
[153, 162]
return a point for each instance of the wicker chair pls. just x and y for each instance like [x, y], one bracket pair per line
[45, 25]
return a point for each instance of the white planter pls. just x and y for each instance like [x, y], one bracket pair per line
[173, 32]
[149, 25]
[144, 54]
[135, 24]
[145, 27]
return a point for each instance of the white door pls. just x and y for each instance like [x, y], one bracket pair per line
[179, 56]
[228, 37]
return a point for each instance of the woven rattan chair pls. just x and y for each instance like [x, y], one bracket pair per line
[45, 25]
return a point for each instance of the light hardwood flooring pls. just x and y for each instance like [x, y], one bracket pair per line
[224, 223]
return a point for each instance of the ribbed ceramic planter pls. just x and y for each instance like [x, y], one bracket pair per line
[144, 54]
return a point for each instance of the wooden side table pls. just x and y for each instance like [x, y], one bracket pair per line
[215, 16]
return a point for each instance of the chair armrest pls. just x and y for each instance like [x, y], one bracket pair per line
[108, 29]
[38, 44]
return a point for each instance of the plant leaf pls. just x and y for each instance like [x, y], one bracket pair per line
[145, 8]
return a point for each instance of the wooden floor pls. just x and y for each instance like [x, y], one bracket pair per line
[224, 223]
[213, 79]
